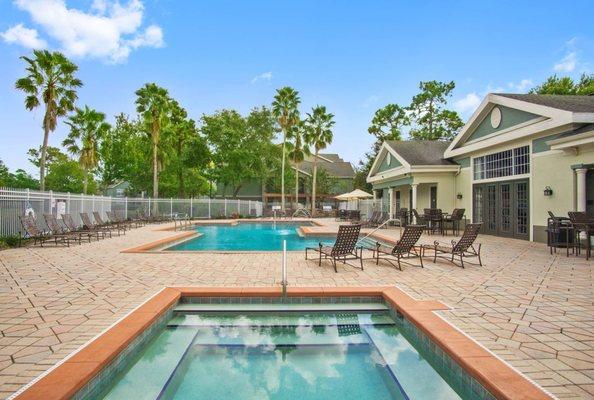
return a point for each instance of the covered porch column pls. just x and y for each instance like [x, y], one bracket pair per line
[581, 188]
[414, 198]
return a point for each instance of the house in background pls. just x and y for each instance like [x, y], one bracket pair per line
[518, 157]
[337, 176]
[117, 189]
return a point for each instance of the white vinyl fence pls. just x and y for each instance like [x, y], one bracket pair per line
[16, 202]
[366, 207]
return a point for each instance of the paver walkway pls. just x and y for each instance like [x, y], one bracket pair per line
[532, 309]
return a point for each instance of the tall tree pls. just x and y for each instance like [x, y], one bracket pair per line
[87, 130]
[180, 129]
[50, 80]
[319, 125]
[387, 122]
[432, 121]
[566, 85]
[152, 103]
[298, 149]
[261, 125]
[285, 110]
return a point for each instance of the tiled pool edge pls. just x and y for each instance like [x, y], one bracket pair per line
[74, 373]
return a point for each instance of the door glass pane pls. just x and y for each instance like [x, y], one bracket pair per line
[522, 208]
[477, 206]
[492, 207]
[505, 202]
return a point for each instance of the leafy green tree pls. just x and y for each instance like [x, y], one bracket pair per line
[20, 179]
[152, 103]
[319, 125]
[387, 122]
[298, 149]
[285, 110]
[63, 173]
[566, 86]
[431, 120]
[87, 130]
[50, 80]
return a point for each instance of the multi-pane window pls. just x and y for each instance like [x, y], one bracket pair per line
[505, 163]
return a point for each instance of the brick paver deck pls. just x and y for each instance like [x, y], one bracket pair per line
[532, 309]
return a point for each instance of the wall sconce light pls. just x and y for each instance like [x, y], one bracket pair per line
[548, 191]
[459, 196]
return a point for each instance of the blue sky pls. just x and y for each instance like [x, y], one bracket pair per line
[353, 57]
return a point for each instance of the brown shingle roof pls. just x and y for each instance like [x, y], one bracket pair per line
[561, 102]
[336, 168]
[421, 152]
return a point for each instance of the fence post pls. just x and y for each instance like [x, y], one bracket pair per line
[51, 193]
[126, 207]
[225, 207]
[209, 208]
[249, 213]
[171, 206]
[93, 204]
[191, 207]
[238, 207]
[68, 203]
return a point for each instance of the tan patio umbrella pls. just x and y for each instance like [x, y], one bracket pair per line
[354, 195]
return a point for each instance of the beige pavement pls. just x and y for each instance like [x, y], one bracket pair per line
[532, 309]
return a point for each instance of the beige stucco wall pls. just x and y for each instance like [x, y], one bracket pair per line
[446, 186]
[554, 169]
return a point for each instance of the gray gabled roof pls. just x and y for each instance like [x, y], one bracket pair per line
[582, 129]
[421, 152]
[337, 167]
[561, 102]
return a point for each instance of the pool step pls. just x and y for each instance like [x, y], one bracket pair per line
[343, 307]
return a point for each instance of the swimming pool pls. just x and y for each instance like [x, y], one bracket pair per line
[250, 236]
[356, 351]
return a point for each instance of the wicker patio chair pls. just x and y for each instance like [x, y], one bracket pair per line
[55, 228]
[463, 248]
[344, 248]
[454, 218]
[405, 248]
[88, 224]
[32, 231]
[72, 227]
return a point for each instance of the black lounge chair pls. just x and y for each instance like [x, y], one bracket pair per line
[405, 248]
[55, 228]
[88, 224]
[32, 231]
[344, 248]
[372, 220]
[463, 248]
[115, 219]
[72, 227]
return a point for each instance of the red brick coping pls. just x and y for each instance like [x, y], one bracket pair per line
[64, 380]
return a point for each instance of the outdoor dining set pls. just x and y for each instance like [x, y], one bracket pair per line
[572, 233]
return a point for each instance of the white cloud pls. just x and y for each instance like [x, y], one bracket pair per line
[109, 31]
[25, 37]
[521, 87]
[567, 64]
[265, 76]
[468, 103]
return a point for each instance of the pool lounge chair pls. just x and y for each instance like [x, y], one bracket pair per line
[463, 248]
[32, 231]
[405, 248]
[115, 219]
[109, 224]
[72, 227]
[88, 224]
[372, 220]
[55, 228]
[344, 248]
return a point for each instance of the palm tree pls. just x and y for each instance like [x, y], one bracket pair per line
[152, 102]
[50, 80]
[180, 129]
[89, 127]
[298, 150]
[319, 134]
[285, 110]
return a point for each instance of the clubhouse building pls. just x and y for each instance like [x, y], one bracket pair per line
[518, 157]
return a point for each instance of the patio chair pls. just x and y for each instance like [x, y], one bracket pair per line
[32, 231]
[88, 224]
[72, 227]
[463, 248]
[55, 228]
[344, 248]
[114, 218]
[405, 248]
[418, 219]
[109, 224]
[582, 223]
[454, 218]
[372, 220]
[383, 218]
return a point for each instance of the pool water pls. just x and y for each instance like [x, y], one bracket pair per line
[250, 237]
[281, 355]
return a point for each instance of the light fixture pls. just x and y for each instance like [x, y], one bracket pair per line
[459, 196]
[548, 191]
